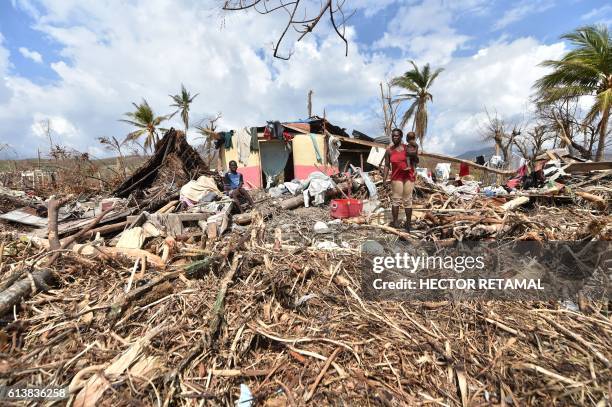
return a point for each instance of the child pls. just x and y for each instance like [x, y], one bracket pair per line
[412, 150]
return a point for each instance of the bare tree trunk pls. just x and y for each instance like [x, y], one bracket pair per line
[603, 130]
[23, 289]
[384, 106]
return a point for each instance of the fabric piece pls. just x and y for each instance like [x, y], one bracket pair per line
[254, 139]
[225, 140]
[232, 180]
[401, 193]
[333, 150]
[293, 187]
[400, 171]
[467, 191]
[442, 172]
[274, 130]
[243, 144]
[315, 145]
[195, 190]
[318, 183]
[464, 169]
[274, 158]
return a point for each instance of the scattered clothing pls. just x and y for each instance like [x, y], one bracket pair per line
[467, 191]
[315, 145]
[318, 183]
[333, 150]
[225, 140]
[254, 139]
[196, 191]
[442, 172]
[274, 131]
[243, 144]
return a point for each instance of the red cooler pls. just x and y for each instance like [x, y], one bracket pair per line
[345, 208]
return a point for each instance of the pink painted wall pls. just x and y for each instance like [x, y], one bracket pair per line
[251, 176]
[303, 171]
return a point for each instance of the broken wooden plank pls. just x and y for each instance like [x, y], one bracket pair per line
[21, 216]
[589, 166]
[132, 238]
[597, 200]
[515, 203]
[114, 252]
[183, 217]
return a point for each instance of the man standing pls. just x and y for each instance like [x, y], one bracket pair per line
[233, 182]
[403, 175]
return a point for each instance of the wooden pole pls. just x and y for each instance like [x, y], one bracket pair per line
[384, 106]
[310, 103]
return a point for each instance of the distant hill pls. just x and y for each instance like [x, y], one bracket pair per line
[472, 154]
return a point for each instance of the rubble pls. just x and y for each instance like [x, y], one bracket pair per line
[163, 297]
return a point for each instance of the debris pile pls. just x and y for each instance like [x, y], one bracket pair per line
[166, 294]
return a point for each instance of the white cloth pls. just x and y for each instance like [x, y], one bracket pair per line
[195, 190]
[333, 150]
[318, 183]
[442, 172]
[467, 191]
[243, 143]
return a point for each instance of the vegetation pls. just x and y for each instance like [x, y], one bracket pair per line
[418, 83]
[182, 101]
[586, 70]
[147, 123]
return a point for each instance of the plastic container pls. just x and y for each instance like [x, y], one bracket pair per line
[345, 208]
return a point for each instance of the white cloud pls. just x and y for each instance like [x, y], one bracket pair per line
[370, 7]
[425, 30]
[499, 78]
[601, 15]
[521, 10]
[5, 92]
[59, 127]
[112, 56]
[597, 12]
[33, 55]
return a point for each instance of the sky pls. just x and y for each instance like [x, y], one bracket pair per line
[82, 63]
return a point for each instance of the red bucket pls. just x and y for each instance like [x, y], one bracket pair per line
[345, 208]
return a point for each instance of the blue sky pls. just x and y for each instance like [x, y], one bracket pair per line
[80, 63]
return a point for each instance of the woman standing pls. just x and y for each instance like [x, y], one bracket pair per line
[402, 159]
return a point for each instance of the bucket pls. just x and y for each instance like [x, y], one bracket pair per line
[345, 208]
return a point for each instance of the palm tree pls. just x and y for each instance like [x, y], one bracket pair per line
[146, 121]
[586, 70]
[182, 102]
[417, 82]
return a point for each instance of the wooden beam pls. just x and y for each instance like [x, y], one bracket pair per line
[430, 155]
[586, 167]
[183, 217]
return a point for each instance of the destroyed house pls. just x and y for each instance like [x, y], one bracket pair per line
[282, 151]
